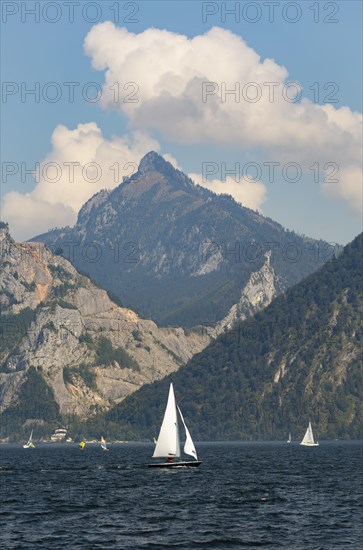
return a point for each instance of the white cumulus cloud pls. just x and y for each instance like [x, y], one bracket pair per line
[169, 72]
[246, 191]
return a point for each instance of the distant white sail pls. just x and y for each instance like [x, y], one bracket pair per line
[103, 444]
[168, 440]
[189, 448]
[308, 438]
[289, 440]
[29, 444]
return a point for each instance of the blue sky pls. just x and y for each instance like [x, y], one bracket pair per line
[312, 52]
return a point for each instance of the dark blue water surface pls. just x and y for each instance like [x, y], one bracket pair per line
[244, 495]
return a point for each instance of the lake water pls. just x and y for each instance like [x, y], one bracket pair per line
[244, 495]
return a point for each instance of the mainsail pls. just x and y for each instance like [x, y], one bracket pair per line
[103, 444]
[189, 448]
[168, 441]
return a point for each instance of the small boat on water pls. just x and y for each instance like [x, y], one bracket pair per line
[29, 444]
[308, 439]
[289, 440]
[103, 444]
[168, 443]
[58, 435]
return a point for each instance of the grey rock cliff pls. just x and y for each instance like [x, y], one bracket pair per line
[69, 316]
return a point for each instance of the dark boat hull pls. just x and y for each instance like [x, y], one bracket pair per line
[175, 465]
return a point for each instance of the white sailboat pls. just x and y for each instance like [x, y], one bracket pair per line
[308, 439]
[168, 443]
[103, 444]
[289, 440]
[29, 444]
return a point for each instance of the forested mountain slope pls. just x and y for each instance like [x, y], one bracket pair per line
[297, 360]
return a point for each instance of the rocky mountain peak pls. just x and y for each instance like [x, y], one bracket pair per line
[153, 162]
[169, 245]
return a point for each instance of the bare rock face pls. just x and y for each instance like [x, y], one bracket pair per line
[28, 270]
[68, 321]
[91, 301]
[258, 293]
